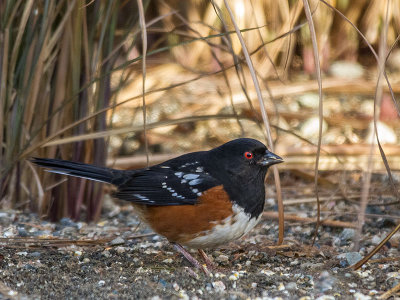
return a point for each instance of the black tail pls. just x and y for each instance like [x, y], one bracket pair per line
[82, 170]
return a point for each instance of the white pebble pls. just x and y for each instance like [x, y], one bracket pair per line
[234, 276]
[218, 286]
[267, 272]
[101, 283]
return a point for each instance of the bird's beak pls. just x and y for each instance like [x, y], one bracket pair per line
[270, 159]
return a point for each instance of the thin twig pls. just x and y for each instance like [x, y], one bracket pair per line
[142, 23]
[377, 103]
[295, 218]
[320, 108]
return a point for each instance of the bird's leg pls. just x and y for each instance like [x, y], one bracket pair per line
[210, 265]
[190, 258]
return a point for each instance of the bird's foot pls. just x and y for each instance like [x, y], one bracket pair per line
[210, 265]
[191, 259]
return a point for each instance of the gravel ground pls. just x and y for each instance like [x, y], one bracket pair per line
[119, 258]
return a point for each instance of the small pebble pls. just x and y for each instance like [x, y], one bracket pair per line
[347, 234]
[78, 253]
[373, 292]
[376, 240]
[359, 296]
[168, 261]
[102, 223]
[120, 249]
[350, 258]
[309, 100]
[219, 286]
[101, 283]
[35, 254]
[346, 70]
[117, 241]
[294, 262]
[8, 233]
[324, 282]
[106, 253]
[234, 276]
[291, 286]
[267, 272]
[326, 297]
[22, 232]
[222, 258]
[66, 222]
[364, 274]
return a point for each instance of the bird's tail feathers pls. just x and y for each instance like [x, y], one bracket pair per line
[78, 169]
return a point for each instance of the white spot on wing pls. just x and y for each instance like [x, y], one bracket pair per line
[179, 174]
[195, 181]
[143, 198]
[190, 176]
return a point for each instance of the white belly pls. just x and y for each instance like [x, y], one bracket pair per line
[225, 231]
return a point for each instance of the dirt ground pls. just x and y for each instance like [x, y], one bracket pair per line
[119, 258]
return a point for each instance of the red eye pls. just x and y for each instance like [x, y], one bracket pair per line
[248, 155]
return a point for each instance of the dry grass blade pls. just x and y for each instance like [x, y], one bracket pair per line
[366, 186]
[101, 134]
[376, 249]
[40, 195]
[390, 292]
[367, 174]
[320, 108]
[265, 119]
[295, 218]
[144, 54]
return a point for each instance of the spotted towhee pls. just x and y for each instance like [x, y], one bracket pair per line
[199, 200]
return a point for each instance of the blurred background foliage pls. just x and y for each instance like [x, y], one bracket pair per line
[71, 84]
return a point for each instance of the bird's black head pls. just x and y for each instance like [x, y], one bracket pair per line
[241, 165]
[245, 154]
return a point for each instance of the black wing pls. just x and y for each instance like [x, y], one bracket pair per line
[167, 185]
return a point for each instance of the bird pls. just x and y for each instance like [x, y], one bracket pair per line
[199, 200]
